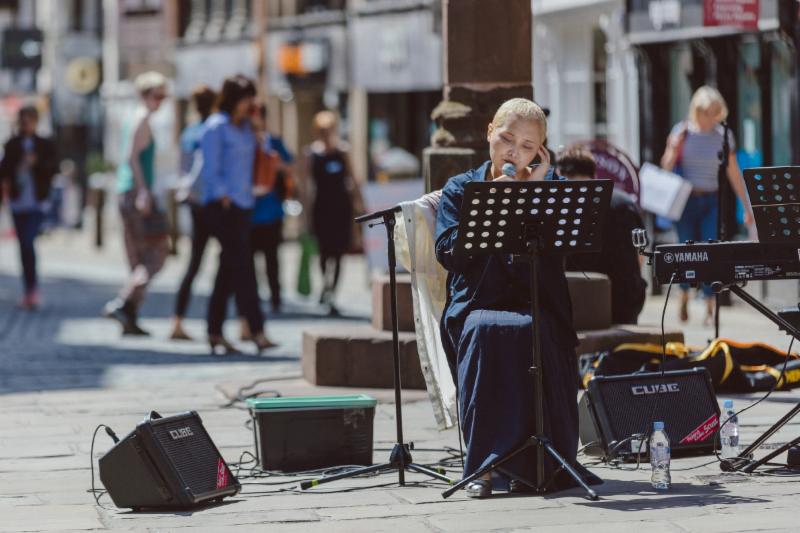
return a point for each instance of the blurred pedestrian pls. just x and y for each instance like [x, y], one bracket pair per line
[145, 225]
[273, 185]
[190, 193]
[329, 175]
[692, 151]
[229, 148]
[26, 171]
[618, 259]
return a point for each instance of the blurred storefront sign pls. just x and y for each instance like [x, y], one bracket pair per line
[672, 20]
[737, 13]
[22, 48]
[615, 165]
[394, 52]
[210, 64]
[308, 56]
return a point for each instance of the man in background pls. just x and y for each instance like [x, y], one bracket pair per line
[618, 259]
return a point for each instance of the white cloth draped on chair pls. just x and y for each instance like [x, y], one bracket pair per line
[414, 241]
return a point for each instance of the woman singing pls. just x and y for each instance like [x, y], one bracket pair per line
[486, 325]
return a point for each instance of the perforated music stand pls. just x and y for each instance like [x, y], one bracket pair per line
[531, 219]
[775, 197]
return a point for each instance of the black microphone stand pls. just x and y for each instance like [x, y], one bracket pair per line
[722, 204]
[400, 457]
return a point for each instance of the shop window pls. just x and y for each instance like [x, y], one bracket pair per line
[681, 67]
[781, 87]
[399, 128]
[600, 62]
[308, 6]
[749, 150]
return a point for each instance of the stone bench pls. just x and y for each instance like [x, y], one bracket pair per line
[361, 355]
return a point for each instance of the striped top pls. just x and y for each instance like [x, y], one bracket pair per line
[698, 162]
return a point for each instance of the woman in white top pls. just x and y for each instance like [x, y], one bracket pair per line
[692, 151]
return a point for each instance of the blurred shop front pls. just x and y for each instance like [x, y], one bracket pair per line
[306, 69]
[396, 50]
[745, 48]
[585, 73]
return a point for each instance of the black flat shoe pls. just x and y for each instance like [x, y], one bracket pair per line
[215, 341]
[133, 330]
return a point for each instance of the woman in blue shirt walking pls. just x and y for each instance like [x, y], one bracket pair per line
[228, 147]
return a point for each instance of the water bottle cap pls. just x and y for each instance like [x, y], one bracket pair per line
[728, 404]
[658, 426]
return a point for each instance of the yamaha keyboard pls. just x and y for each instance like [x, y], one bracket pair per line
[726, 262]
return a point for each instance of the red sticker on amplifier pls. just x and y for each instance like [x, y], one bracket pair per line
[703, 431]
[222, 474]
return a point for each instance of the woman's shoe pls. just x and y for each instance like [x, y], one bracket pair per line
[218, 340]
[179, 334]
[480, 488]
[262, 342]
[245, 335]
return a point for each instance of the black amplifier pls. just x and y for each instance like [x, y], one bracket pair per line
[166, 462]
[614, 408]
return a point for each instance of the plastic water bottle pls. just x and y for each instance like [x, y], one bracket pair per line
[659, 457]
[729, 433]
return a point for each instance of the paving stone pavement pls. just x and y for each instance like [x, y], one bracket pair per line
[63, 370]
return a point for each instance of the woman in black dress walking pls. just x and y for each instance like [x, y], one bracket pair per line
[328, 167]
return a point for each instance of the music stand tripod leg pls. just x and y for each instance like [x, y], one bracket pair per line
[420, 469]
[744, 462]
[543, 443]
[569, 468]
[494, 465]
[750, 468]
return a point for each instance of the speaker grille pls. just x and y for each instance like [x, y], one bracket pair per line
[629, 404]
[193, 454]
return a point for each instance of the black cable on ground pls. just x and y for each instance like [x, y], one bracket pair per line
[98, 493]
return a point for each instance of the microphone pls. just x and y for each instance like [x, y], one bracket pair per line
[509, 170]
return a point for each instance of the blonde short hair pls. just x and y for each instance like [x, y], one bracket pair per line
[522, 108]
[704, 99]
[147, 81]
[324, 120]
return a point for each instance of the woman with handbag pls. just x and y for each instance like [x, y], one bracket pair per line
[693, 147]
[145, 226]
[229, 147]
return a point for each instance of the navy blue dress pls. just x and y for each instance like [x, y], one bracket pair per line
[486, 332]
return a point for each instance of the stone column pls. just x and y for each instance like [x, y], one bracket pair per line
[487, 49]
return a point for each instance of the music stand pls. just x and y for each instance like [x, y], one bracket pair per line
[532, 219]
[775, 197]
[400, 457]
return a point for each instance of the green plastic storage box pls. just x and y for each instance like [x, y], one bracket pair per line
[310, 432]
